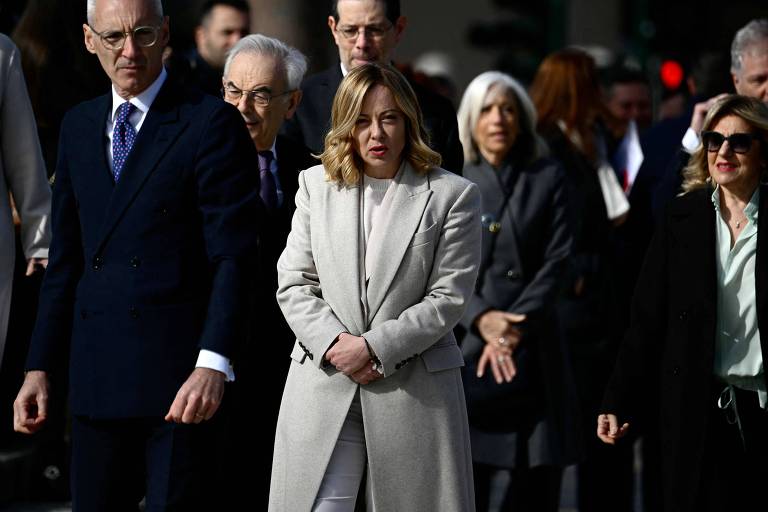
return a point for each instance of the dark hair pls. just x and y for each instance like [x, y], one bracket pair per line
[205, 12]
[391, 9]
[623, 75]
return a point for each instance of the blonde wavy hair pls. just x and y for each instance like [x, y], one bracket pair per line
[342, 163]
[751, 110]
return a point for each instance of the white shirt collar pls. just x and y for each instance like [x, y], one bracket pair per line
[143, 100]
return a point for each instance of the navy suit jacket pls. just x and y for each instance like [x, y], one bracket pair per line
[146, 272]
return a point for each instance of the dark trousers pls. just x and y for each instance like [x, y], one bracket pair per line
[116, 463]
[734, 472]
[530, 489]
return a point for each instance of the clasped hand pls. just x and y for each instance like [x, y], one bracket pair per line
[349, 354]
[501, 332]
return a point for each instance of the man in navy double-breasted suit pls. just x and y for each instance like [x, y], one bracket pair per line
[154, 204]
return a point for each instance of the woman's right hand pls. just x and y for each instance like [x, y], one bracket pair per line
[348, 354]
[608, 429]
[501, 363]
[500, 329]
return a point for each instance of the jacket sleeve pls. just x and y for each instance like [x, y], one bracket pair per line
[450, 283]
[299, 292]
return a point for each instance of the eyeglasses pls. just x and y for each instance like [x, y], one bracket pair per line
[115, 39]
[738, 142]
[374, 32]
[260, 97]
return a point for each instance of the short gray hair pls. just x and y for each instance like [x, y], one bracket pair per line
[90, 9]
[472, 104]
[754, 32]
[293, 61]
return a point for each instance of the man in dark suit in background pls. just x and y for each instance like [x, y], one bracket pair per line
[153, 212]
[222, 24]
[368, 31]
[261, 78]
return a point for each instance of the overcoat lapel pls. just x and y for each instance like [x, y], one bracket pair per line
[343, 225]
[401, 221]
[160, 129]
[761, 275]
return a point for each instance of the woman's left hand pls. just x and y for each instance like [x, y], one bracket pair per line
[349, 354]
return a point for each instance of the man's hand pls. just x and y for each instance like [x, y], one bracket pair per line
[700, 112]
[199, 397]
[349, 354]
[500, 329]
[31, 405]
[36, 265]
[501, 363]
[608, 429]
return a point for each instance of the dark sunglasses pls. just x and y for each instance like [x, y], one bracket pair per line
[738, 142]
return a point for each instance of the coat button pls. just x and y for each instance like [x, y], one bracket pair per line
[683, 315]
[513, 274]
[676, 370]
[83, 314]
[135, 262]
[98, 261]
[133, 313]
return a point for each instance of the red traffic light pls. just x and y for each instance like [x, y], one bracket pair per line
[671, 73]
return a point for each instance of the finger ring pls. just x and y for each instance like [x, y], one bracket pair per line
[502, 341]
[500, 359]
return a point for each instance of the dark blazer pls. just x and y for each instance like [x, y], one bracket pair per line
[312, 120]
[146, 272]
[668, 352]
[523, 274]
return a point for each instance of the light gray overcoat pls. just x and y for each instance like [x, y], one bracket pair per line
[415, 418]
[22, 172]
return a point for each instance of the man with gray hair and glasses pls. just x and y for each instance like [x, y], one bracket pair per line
[144, 297]
[261, 78]
[749, 71]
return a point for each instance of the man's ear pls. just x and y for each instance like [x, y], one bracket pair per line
[295, 99]
[332, 27]
[400, 25]
[88, 37]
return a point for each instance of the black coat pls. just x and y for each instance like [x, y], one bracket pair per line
[146, 272]
[668, 352]
[312, 119]
[522, 273]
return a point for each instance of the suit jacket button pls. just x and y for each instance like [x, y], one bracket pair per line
[132, 311]
[676, 370]
[135, 262]
[98, 261]
[513, 274]
[83, 314]
[683, 315]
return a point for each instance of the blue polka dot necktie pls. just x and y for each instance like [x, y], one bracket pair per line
[122, 138]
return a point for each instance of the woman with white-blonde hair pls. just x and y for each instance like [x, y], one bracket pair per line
[516, 379]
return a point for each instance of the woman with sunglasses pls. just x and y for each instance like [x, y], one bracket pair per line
[515, 379]
[694, 347]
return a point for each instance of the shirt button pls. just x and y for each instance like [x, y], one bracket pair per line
[513, 274]
[135, 262]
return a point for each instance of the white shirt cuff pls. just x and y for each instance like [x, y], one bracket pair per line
[690, 141]
[214, 361]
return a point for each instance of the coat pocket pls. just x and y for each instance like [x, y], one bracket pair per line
[423, 237]
[297, 354]
[442, 357]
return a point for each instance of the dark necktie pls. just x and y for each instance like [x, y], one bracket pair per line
[268, 190]
[122, 138]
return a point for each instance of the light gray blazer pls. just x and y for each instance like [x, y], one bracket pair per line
[22, 173]
[415, 417]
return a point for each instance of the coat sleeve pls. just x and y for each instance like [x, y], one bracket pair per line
[299, 292]
[542, 288]
[22, 159]
[643, 345]
[450, 283]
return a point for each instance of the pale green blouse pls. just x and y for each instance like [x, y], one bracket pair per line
[738, 356]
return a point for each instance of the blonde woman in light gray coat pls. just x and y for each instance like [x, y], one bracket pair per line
[382, 256]
[22, 173]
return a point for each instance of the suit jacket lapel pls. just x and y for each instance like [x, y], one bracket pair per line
[343, 224]
[93, 138]
[160, 129]
[401, 221]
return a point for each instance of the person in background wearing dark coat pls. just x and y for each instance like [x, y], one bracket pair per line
[368, 31]
[144, 297]
[261, 78]
[512, 347]
[697, 316]
[222, 24]
[580, 130]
